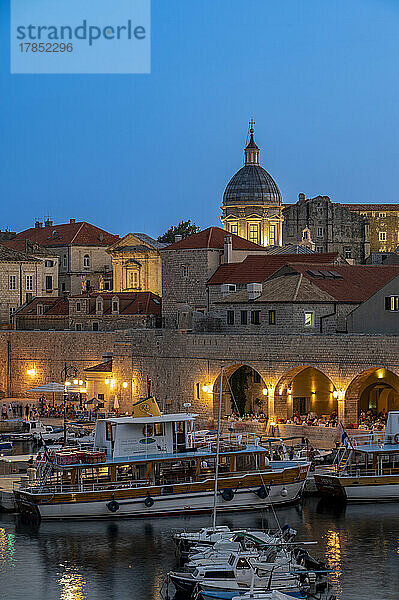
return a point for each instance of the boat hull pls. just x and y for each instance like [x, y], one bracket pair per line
[384, 488]
[163, 505]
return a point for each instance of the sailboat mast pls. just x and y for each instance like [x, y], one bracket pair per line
[215, 494]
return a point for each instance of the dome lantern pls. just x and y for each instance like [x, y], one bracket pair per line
[252, 150]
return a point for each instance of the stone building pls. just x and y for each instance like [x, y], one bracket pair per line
[136, 264]
[331, 226]
[82, 250]
[252, 205]
[313, 299]
[383, 220]
[188, 264]
[92, 311]
[49, 259]
[23, 276]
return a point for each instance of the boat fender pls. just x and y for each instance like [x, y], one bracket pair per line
[396, 438]
[113, 506]
[228, 494]
[263, 492]
[149, 501]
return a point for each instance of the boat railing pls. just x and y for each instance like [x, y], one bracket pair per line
[49, 488]
[356, 472]
[367, 439]
[207, 440]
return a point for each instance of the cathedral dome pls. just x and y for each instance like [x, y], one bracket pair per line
[252, 184]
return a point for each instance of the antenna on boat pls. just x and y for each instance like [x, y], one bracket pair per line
[215, 494]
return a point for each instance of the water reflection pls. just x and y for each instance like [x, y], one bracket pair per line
[72, 585]
[128, 559]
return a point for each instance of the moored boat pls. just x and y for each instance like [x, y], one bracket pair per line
[366, 467]
[153, 464]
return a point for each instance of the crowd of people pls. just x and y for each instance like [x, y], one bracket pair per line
[371, 419]
[310, 419]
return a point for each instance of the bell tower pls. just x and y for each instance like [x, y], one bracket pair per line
[251, 150]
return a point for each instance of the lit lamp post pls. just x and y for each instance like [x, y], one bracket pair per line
[66, 372]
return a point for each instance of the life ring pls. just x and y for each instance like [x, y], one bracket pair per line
[228, 494]
[263, 492]
[396, 438]
[149, 501]
[113, 506]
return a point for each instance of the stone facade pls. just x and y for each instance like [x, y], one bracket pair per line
[184, 276]
[180, 364]
[332, 226]
[383, 222]
[23, 276]
[82, 250]
[136, 264]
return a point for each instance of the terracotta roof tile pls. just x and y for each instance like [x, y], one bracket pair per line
[105, 367]
[130, 303]
[54, 306]
[76, 234]
[349, 283]
[256, 269]
[9, 255]
[213, 237]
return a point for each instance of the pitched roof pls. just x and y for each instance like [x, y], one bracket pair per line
[126, 244]
[295, 288]
[9, 255]
[130, 303]
[345, 283]
[289, 249]
[26, 246]
[213, 237]
[55, 306]
[256, 269]
[75, 234]
[105, 367]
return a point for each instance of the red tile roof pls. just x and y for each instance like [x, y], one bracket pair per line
[130, 303]
[76, 234]
[213, 237]
[105, 367]
[55, 306]
[256, 269]
[355, 284]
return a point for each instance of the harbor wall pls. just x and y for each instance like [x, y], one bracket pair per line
[180, 365]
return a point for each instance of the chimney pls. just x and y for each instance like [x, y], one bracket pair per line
[48, 223]
[178, 237]
[72, 221]
[228, 249]
[301, 198]
[38, 224]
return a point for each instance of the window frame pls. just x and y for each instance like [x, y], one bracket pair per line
[29, 286]
[382, 236]
[244, 317]
[393, 301]
[312, 319]
[14, 279]
[256, 317]
[272, 316]
[86, 261]
[230, 317]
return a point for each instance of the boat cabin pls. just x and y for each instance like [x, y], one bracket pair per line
[124, 437]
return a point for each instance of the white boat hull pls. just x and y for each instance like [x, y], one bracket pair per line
[188, 503]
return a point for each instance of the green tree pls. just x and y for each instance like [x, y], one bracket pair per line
[239, 386]
[184, 228]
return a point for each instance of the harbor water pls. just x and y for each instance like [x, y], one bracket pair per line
[126, 559]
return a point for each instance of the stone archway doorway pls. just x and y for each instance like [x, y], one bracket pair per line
[244, 391]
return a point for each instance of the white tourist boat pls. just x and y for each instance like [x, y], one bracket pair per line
[154, 464]
[366, 467]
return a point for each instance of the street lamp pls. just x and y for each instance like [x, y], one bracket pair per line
[67, 371]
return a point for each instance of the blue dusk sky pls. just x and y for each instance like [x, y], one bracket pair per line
[141, 152]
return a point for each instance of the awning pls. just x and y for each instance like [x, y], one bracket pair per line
[48, 387]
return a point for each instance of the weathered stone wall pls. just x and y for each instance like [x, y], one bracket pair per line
[179, 364]
[333, 227]
[184, 277]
